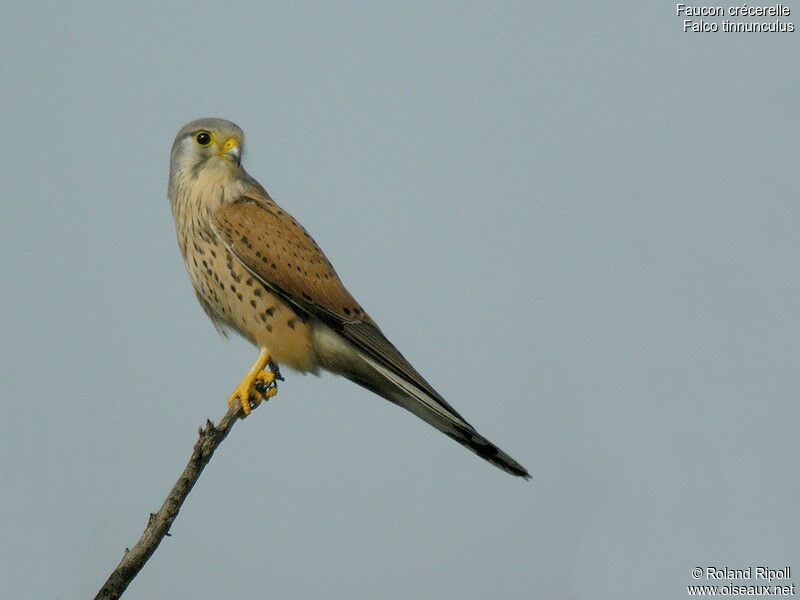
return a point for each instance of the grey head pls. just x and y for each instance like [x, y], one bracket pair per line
[205, 143]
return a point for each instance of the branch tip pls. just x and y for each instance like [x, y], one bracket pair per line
[158, 525]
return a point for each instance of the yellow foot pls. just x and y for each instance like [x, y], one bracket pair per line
[258, 385]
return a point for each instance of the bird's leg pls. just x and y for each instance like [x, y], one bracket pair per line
[256, 386]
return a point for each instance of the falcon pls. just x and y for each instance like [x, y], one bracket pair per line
[256, 271]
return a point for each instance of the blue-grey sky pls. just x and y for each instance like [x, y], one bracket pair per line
[579, 222]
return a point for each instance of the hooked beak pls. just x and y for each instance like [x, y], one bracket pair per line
[231, 150]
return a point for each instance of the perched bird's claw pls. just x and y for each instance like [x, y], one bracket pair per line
[258, 385]
[265, 385]
[241, 395]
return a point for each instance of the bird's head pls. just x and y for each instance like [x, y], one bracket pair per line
[207, 144]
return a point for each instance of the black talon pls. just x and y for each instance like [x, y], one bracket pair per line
[262, 387]
[275, 371]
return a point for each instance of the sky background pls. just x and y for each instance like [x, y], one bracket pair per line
[577, 221]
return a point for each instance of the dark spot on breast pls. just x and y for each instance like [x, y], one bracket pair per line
[269, 328]
[270, 311]
[347, 311]
[233, 288]
[257, 292]
[253, 303]
[291, 322]
[273, 266]
[239, 296]
[249, 282]
[306, 296]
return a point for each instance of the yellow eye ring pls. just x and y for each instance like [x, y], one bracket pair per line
[203, 138]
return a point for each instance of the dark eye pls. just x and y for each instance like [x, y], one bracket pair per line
[203, 138]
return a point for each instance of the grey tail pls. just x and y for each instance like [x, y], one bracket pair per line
[488, 451]
[432, 408]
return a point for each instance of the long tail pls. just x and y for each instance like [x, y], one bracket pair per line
[435, 411]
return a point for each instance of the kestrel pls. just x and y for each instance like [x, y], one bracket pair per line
[257, 271]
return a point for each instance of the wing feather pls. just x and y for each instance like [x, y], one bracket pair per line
[277, 250]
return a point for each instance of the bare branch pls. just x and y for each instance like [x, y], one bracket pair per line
[211, 437]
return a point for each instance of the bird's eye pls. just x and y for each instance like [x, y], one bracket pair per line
[203, 138]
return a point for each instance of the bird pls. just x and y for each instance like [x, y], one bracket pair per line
[256, 271]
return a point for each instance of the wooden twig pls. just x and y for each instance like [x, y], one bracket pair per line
[211, 437]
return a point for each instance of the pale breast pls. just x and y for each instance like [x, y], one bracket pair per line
[233, 297]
